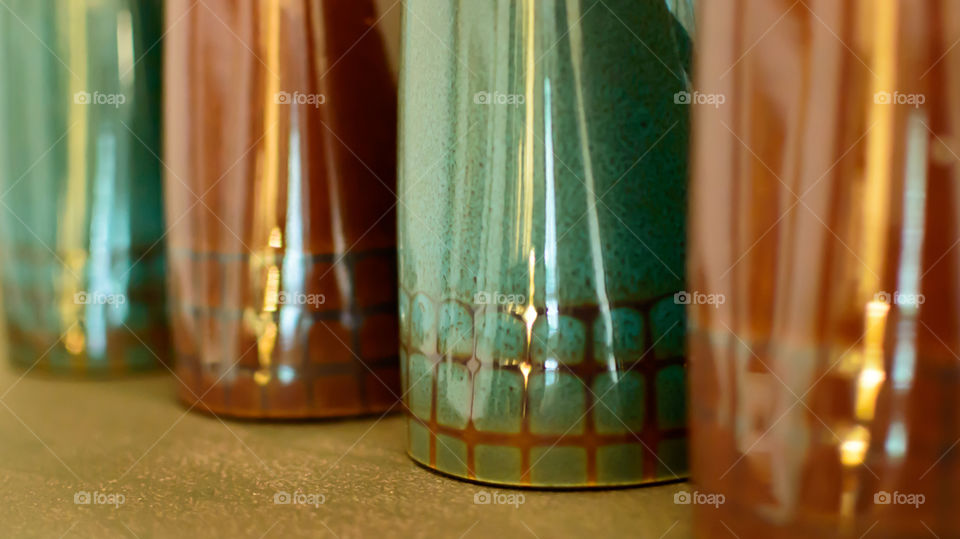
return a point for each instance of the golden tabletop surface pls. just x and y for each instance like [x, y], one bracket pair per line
[122, 458]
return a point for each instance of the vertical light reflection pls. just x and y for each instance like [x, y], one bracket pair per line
[269, 188]
[271, 290]
[99, 276]
[854, 446]
[911, 239]
[265, 326]
[294, 278]
[875, 206]
[295, 221]
[593, 219]
[529, 124]
[872, 375]
[908, 279]
[875, 215]
[125, 54]
[71, 230]
[879, 147]
[118, 238]
[551, 292]
[530, 313]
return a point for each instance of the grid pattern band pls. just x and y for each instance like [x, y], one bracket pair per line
[328, 353]
[493, 399]
[57, 321]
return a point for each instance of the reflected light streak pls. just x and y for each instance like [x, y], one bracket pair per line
[873, 374]
[125, 60]
[70, 241]
[550, 221]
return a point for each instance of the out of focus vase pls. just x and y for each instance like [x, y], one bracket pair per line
[542, 201]
[281, 153]
[824, 209]
[81, 216]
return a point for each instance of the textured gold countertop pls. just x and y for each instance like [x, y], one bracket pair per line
[187, 474]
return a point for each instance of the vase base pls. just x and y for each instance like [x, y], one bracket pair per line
[534, 462]
[627, 483]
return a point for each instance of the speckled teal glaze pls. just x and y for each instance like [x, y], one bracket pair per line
[571, 205]
[81, 212]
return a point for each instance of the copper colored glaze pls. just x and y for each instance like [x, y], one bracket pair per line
[281, 172]
[825, 200]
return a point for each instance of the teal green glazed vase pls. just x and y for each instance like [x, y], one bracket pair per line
[81, 217]
[542, 186]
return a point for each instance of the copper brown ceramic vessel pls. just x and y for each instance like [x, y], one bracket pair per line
[825, 390]
[281, 155]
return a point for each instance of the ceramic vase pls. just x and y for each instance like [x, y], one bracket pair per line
[542, 200]
[280, 191]
[824, 210]
[81, 222]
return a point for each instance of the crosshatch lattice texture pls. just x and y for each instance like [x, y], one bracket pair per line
[329, 358]
[569, 420]
[48, 330]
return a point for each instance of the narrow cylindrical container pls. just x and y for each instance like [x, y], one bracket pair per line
[824, 210]
[542, 200]
[281, 172]
[81, 217]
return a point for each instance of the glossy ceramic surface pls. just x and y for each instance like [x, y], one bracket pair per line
[80, 188]
[824, 208]
[281, 155]
[542, 201]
